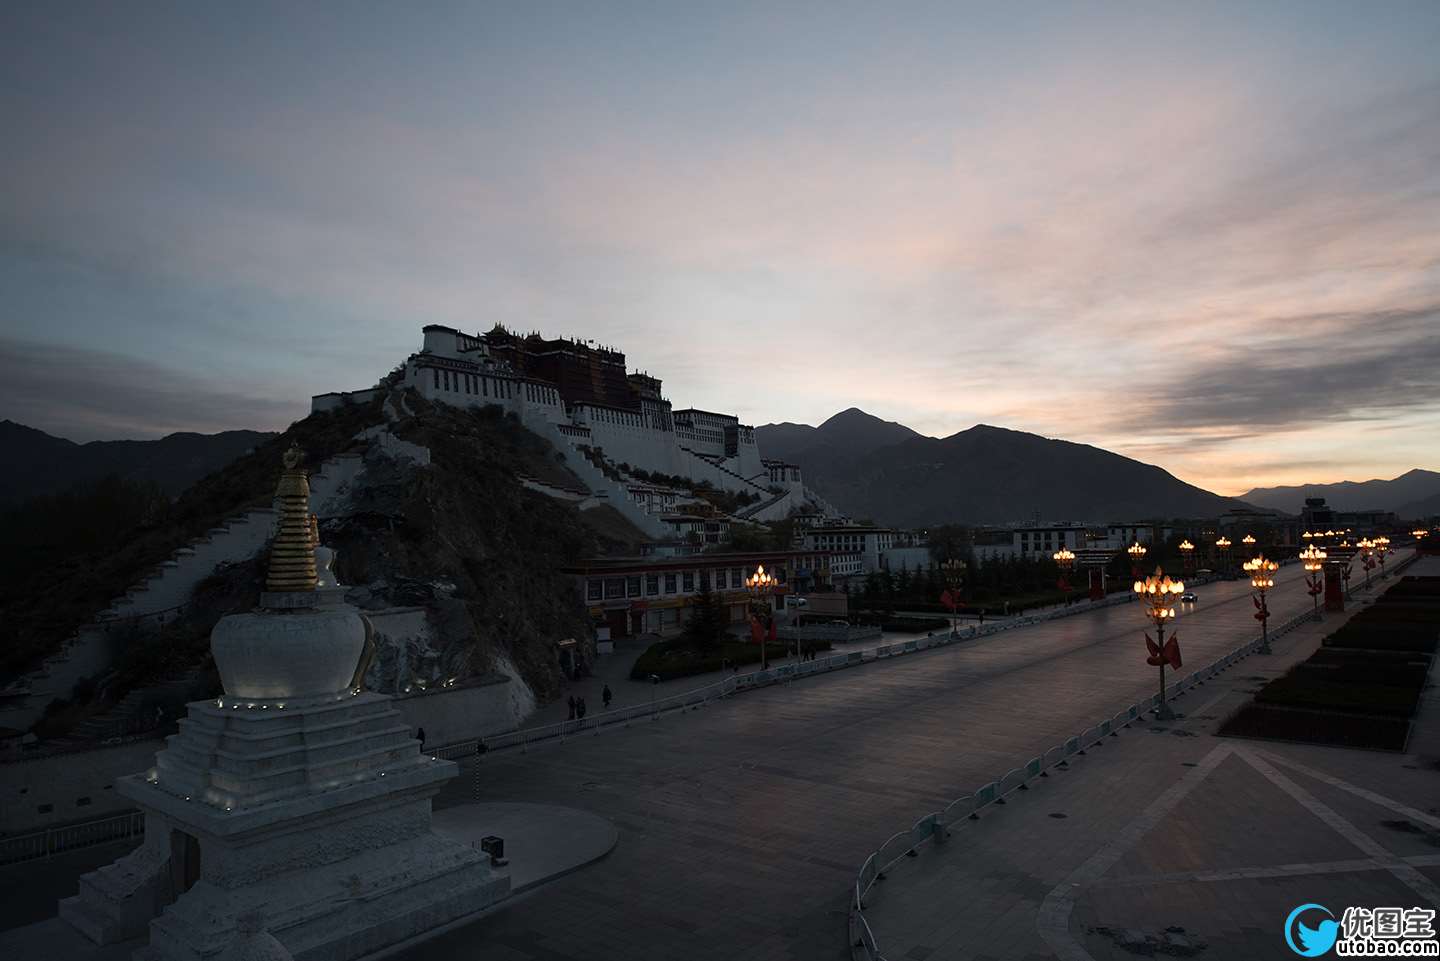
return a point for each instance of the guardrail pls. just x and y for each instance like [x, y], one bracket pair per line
[934, 828]
[43, 845]
[561, 731]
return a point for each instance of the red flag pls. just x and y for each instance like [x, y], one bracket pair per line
[772, 628]
[949, 600]
[1256, 601]
[1172, 652]
[1154, 651]
[755, 634]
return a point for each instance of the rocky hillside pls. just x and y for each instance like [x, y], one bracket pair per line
[458, 537]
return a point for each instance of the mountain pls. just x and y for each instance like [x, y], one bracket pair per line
[44, 464]
[1420, 510]
[984, 475]
[828, 450]
[1400, 494]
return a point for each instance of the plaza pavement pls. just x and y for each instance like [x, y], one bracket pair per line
[742, 825]
[1171, 841]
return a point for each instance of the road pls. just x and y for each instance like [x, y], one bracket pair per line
[742, 825]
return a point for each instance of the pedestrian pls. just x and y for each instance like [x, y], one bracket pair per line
[572, 708]
[606, 696]
[420, 736]
[580, 709]
[982, 617]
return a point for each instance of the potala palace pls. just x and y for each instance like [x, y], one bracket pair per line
[610, 423]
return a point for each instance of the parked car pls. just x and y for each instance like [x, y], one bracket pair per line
[1188, 597]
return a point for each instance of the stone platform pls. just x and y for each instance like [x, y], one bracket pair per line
[543, 842]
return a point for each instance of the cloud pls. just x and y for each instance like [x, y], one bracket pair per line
[88, 395]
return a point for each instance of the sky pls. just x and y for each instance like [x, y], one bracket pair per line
[1203, 235]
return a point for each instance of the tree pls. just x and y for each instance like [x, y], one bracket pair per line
[949, 542]
[709, 621]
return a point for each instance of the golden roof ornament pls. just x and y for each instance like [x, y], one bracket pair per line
[292, 555]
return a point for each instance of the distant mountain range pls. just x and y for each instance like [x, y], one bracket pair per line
[42, 464]
[1414, 494]
[985, 475]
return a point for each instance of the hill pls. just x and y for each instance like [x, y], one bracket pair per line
[1400, 494]
[172, 463]
[874, 468]
[462, 537]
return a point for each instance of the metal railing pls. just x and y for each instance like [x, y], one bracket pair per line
[561, 731]
[934, 828]
[43, 845]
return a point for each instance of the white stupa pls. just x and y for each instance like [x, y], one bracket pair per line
[292, 813]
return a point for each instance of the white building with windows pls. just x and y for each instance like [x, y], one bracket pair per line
[580, 397]
[869, 542]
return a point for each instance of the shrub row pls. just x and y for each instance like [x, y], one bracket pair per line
[678, 658]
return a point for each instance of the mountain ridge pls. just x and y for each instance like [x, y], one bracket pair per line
[173, 462]
[984, 474]
[1396, 494]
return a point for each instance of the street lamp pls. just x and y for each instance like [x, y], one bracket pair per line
[1064, 559]
[1314, 561]
[1187, 552]
[1160, 593]
[1261, 571]
[1382, 549]
[953, 571]
[1367, 557]
[758, 584]
[1249, 541]
[1223, 546]
[1137, 554]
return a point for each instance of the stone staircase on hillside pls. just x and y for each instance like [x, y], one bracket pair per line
[717, 463]
[161, 594]
[133, 713]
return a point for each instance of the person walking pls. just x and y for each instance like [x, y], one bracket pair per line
[572, 708]
[420, 736]
[605, 696]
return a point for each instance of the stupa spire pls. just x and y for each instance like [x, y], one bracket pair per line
[292, 556]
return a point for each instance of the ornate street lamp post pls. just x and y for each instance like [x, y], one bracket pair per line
[1160, 593]
[1223, 546]
[953, 571]
[1367, 557]
[1064, 559]
[1187, 553]
[1249, 541]
[1261, 571]
[1314, 561]
[759, 584]
[1382, 549]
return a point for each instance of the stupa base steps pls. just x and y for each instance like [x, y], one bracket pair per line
[339, 912]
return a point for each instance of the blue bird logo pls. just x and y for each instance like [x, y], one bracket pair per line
[1317, 940]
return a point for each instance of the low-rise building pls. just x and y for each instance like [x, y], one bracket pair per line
[650, 595]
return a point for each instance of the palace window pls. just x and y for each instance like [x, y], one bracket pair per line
[594, 589]
[614, 587]
[688, 581]
[632, 587]
[652, 584]
[669, 583]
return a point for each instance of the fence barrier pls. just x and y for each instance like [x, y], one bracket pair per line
[968, 806]
[45, 844]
